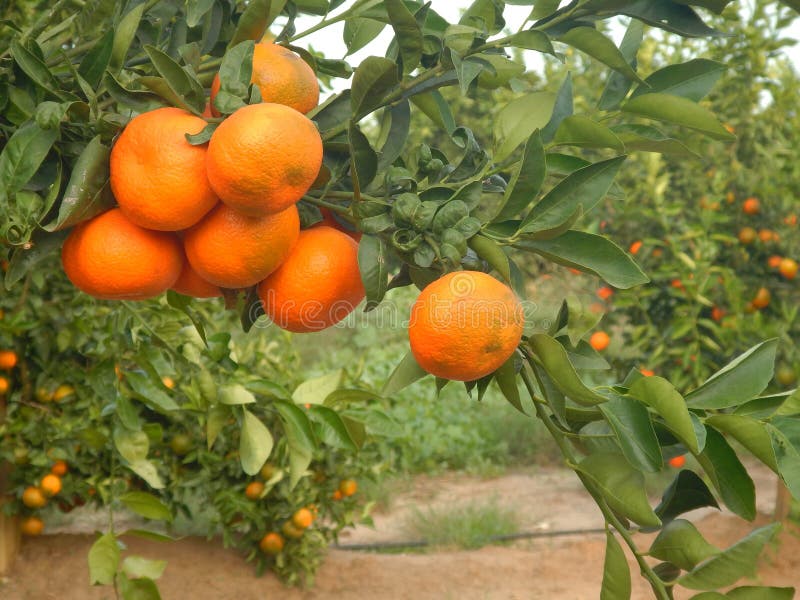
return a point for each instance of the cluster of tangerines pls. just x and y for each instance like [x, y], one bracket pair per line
[35, 497]
[8, 360]
[221, 215]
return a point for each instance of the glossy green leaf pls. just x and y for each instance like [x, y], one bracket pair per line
[103, 560]
[518, 119]
[590, 41]
[526, 181]
[785, 438]
[179, 81]
[317, 389]
[373, 264]
[257, 16]
[693, 79]
[300, 436]
[147, 471]
[621, 485]
[740, 380]
[728, 475]
[555, 362]
[675, 17]
[750, 433]
[493, 253]
[138, 100]
[96, 61]
[331, 429]
[131, 445]
[618, 86]
[234, 394]
[753, 592]
[124, 34]
[630, 422]
[563, 107]
[591, 253]
[435, 107]
[664, 399]
[36, 70]
[146, 505]
[732, 564]
[364, 159]
[236, 71]
[682, 545]
[687, 492]
[646, 138]
[150, 393]
[407, 32]
[216, 418]
[22, 156]
[581, 131]
[678, 111]
[393, 142]
[358, 32]
[255, 443]
[506, 378]
[405, 373]
[531, 39]
[616, 573]
[138, 566]
[372, 79]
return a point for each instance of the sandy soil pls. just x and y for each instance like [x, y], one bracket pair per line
[568, 568]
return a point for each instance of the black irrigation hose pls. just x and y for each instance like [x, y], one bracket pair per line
[490, 540]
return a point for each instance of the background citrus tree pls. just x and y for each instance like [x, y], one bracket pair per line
[167, 395]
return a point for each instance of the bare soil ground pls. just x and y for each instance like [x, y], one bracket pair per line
[568, 567]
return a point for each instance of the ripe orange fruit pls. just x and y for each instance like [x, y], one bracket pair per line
[677, 461]
[282, 77]
[290, 530]
[337, 495]
[465, 325]
[348, 487]
[50, 484]
[657, 252]
[189, 283]
[647, 372]
[605, 292]
[33, 497]
[762, 298]
[110, 257]
[717, 313]
[263, 158]
[62, 392]
[59, 468]
[254, 490]
[599, 340]
[168, 382]
[790, 220]
[232, 250]
[8, 359]
[31, 526]
[272, 543]
[317, 286]
[730, 197]
[330, 220]
[788, 268]
[747, 235]
[635, 247]
[4, 385]
[157, 176]
[766, 235]
[774, 261]
[677, 284]
[751, 206]
[302, 519]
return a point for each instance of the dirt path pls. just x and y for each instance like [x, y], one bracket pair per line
[568, 568]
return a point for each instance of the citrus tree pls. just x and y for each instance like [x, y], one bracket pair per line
[180, 148]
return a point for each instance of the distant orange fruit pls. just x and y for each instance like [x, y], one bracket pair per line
[254, 490]
[751, 206]
[232, 250]
[747, 235]
[790, 220]
[290, 530]
[635, 247]
[302, 518]
[272, 543]
[677, 284]
[8, 359]
[63, 391]
[31, 526]
[730, 197]
[774, 261]
[157, 176]
[59, 468]
[317, 286]
[337, 495]
[168, 382]
[348, 487]
[33, 497]
[189, 283]
[762, 298]
[599, 340]
[282, 77]
[4, 385]
[766, 235]
[605, 292]
[657, 252]
[646, 372]
[465, 325]
[788, 268]
[110, 257]
[717, 313]
[677, 462]
[263, 158]
[50, 484]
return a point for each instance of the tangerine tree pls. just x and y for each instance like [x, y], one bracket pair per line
[163, 146]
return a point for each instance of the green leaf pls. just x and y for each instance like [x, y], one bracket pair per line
[785, 437]
[138, 100]
[563, 107]
[435, 107]
[255, 444]
[531, 39]
[87, 193]
[618, 86]
[591, 253]
[526, 181]
[234, 394]
[761, 593]
[679, 111]
[506, 377]
[255, 19]
[141, 588]
[147, 471]
[138, 566]
[22, 156]
[37, 70]
[555, 362]
[729, 566]
[675, 17]
[621, 485]
[364, 159]
[728, 475]
[646, 138]
[216, 418]
[518, 119]
[124, 34]
[236, 71]
[149, 392]
[373, 264]
[595, 44]
[316, 390]
[662, 397]
[103, 560]
[583, 188]
[131, 445]
[692, 80]
[405, 373]
[616, 573]
[492, 252]
[396, 134]
[750, 433]
[96, 61]
[408, 33]
[146, 505]
[372, 79]
[179, 81]
[682, 545]
[634, 432]
[331, 429]
[359, 31]
[300, 437]
[687, 492]
[581, 131]
[740, 380]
